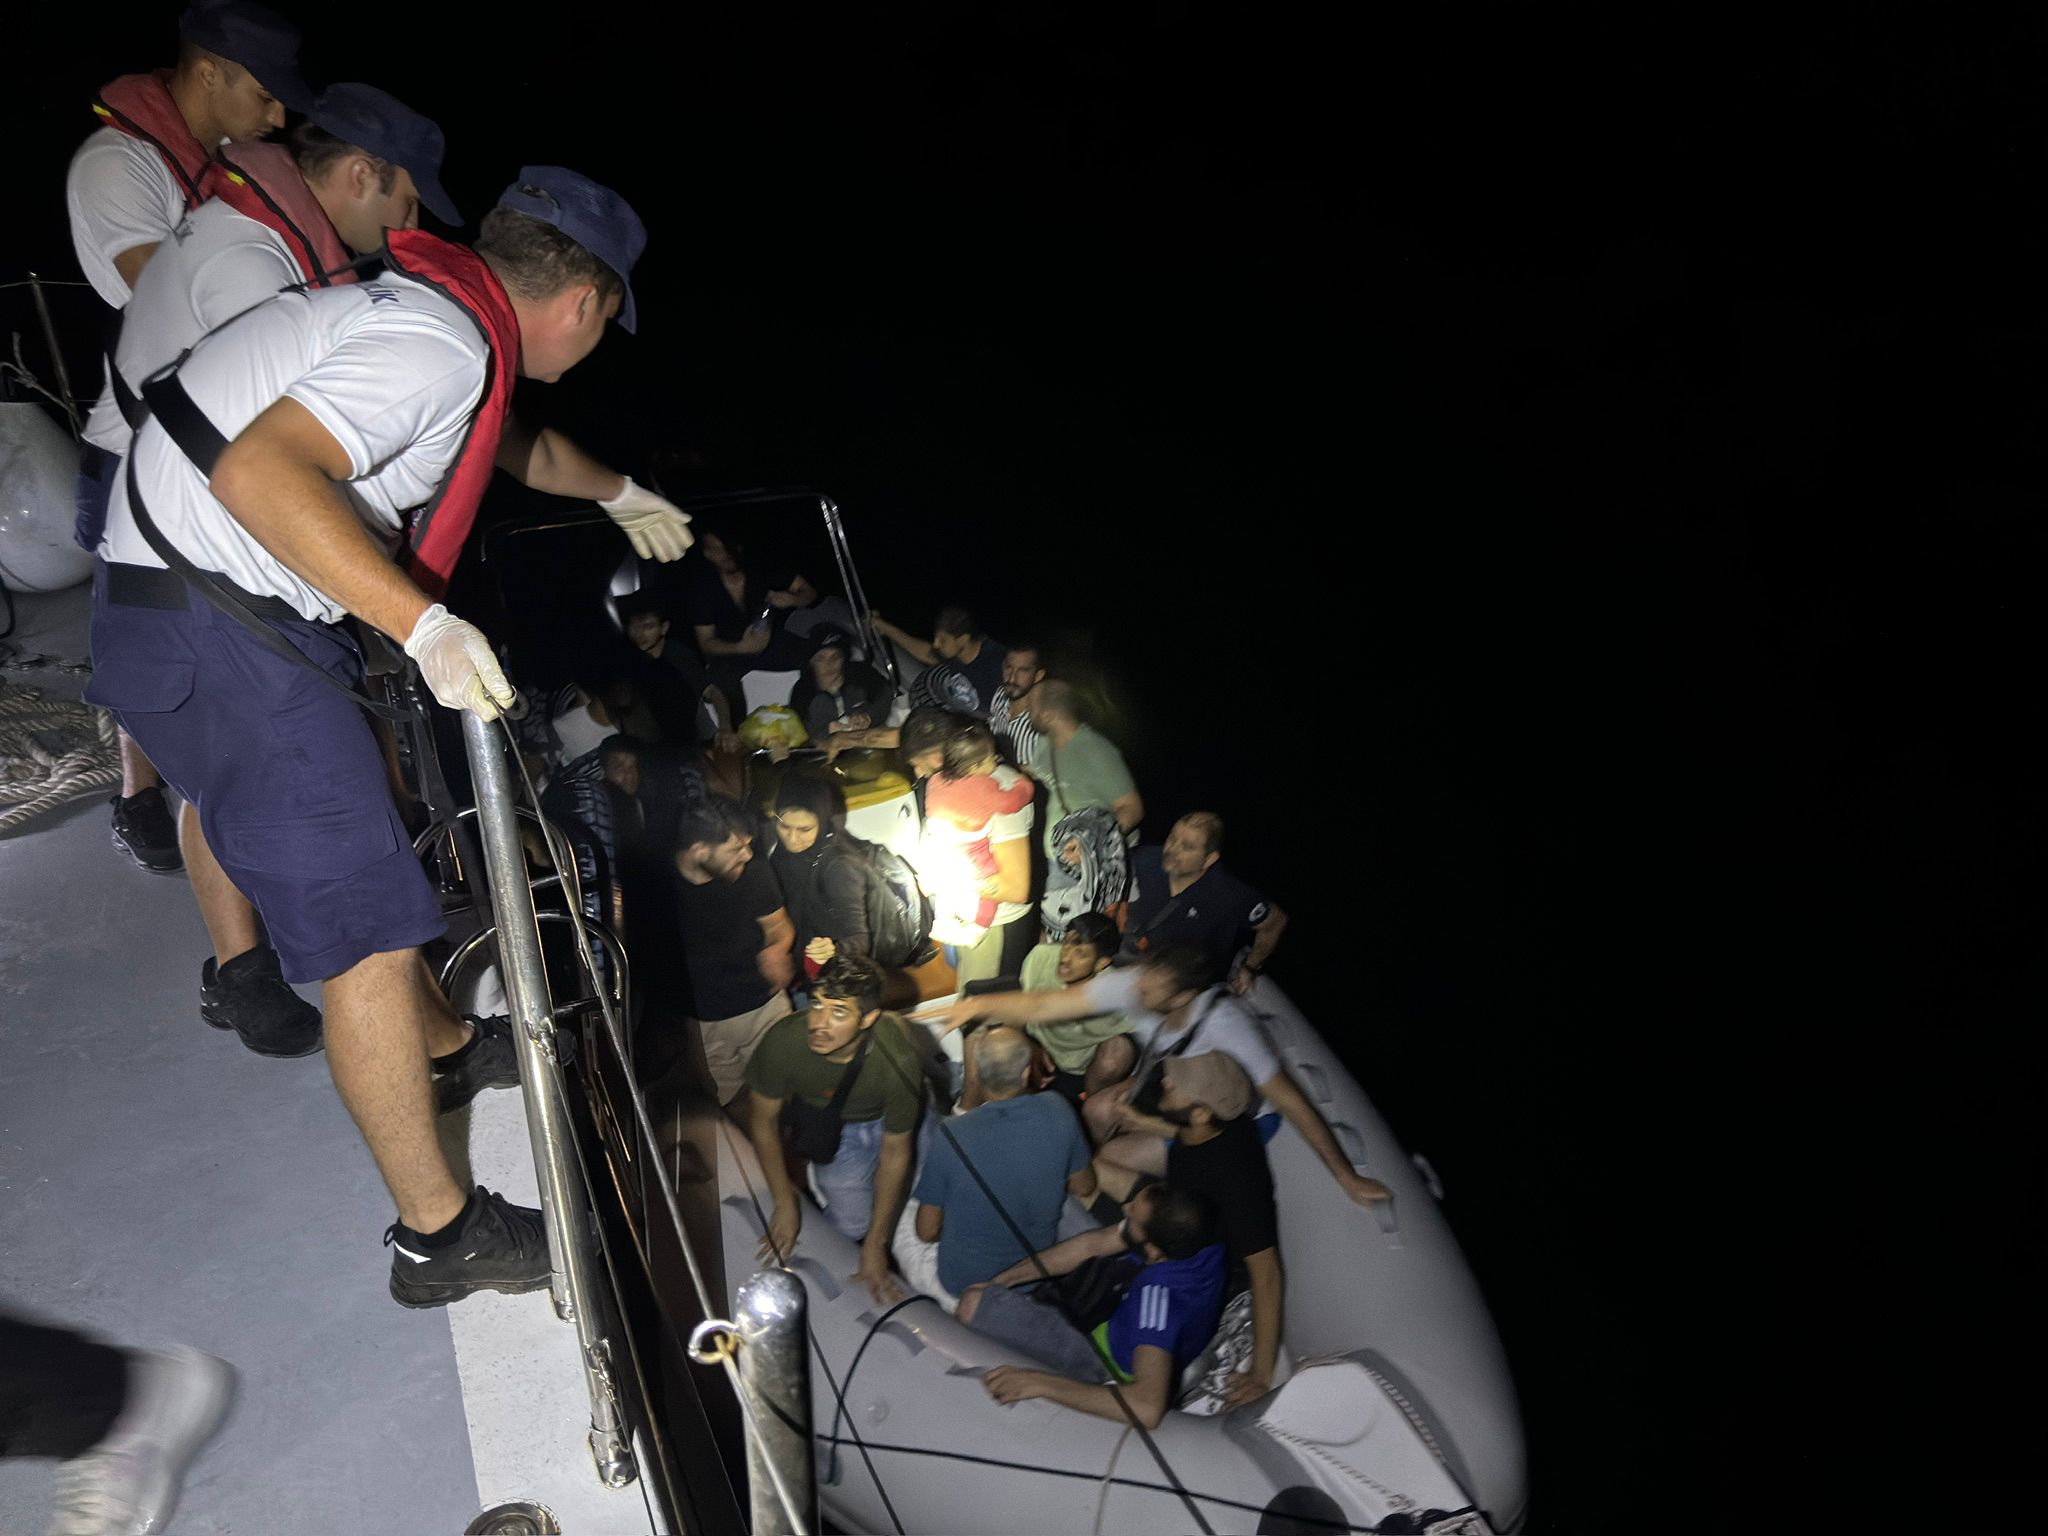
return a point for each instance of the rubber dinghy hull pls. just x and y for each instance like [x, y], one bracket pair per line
[1400, 1401]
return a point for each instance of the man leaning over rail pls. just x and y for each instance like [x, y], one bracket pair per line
[332, 413]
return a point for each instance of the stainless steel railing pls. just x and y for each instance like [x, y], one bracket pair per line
[764, 1349]
[540, 1084]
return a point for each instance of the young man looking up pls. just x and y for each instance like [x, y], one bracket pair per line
[807, 1054]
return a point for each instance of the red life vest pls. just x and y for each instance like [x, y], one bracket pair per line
[141, 107]
[262, 182]
[440, 528]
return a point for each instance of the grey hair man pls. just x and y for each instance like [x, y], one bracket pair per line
[1029, 1151]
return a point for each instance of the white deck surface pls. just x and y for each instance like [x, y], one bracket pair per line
[160, 1184]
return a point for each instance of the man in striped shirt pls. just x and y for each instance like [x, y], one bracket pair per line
[1010, 716]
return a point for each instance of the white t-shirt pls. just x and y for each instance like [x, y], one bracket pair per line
[1221, 1022]
[392, 369]
[212, 266]
[120, 195]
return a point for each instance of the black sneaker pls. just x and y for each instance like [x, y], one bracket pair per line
[145, 831]
[492, 1064]
[249, 996]
[501, 1247]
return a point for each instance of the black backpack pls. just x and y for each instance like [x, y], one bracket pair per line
[899, 912]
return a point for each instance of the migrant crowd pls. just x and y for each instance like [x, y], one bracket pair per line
[1087, 1179]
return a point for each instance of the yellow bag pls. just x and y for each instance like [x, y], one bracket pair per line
[773, 725]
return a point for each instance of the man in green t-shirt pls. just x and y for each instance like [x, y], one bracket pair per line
[1078, 765]
[805, 1056]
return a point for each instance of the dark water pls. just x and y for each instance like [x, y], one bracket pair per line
[1565, 488]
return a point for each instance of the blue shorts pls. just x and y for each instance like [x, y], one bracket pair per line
[288, 781]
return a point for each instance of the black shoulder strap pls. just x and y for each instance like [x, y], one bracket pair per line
[132, 410]
[201, 441]
[840, 1094]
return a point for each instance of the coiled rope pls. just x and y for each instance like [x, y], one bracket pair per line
[52, 752]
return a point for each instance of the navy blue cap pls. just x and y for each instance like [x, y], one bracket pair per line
[255, 37]
[376, 120]
[594, 216]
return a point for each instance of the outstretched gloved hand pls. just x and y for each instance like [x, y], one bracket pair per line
[659, 529]
[457, 663]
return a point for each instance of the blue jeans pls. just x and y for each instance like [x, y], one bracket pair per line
[1038, 1329]
[846, 1185]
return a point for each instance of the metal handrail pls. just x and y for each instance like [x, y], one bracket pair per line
[547, 1120]
[773, 1394]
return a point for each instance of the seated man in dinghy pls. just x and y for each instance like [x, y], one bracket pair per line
[1181, 894]
[1026, 1147]
[1174, 1010]
[1138, 1329]
[1213, 1151]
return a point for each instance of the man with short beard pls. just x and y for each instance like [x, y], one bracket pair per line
[809, 1055]
[1010, 717]
[736, 937]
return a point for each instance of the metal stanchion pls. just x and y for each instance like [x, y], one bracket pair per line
[533, 1032]
[775, 1374]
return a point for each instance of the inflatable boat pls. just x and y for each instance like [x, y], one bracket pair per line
[1400, 1413]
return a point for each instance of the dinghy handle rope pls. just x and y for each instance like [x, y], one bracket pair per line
[839, 1411]
[1109, 1479]
[555, 842]
[1143, 1485]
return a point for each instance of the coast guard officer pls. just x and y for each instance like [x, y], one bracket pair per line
[265, 499]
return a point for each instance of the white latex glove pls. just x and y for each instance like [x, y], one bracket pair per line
[658, 528]
[457, 663]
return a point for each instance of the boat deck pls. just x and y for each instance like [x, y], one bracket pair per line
[160, 1184]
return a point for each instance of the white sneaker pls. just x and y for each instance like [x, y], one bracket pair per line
[128, 1484]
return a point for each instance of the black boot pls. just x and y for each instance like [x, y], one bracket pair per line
[145, 831]
[249, 996]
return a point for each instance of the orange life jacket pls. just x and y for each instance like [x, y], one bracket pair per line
[141, 107]
[439, 529]
[262, 182]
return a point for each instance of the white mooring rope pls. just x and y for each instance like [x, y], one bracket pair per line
[52, 752]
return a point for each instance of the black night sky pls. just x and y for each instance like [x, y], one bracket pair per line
[1566, 483]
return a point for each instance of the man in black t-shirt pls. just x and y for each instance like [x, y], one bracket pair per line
[648, 623]
[737, 938]
[1183, 897]
[963, 667]
[1215, 1151]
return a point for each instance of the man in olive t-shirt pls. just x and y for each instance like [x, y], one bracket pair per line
[806, 1054]
[1078, 765]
